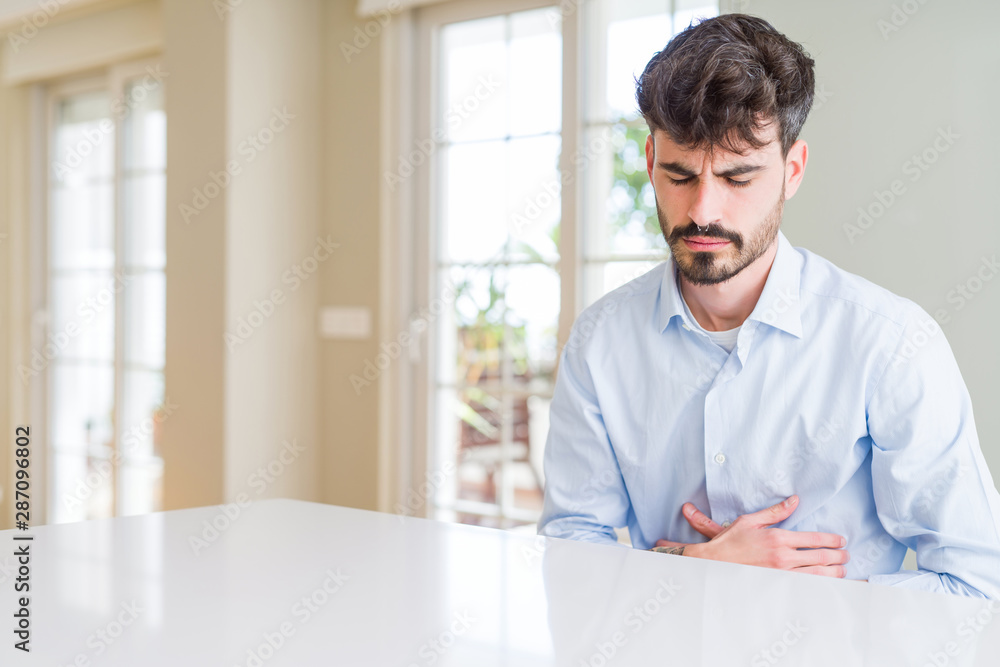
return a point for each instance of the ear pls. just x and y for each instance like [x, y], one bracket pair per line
[650, 155]
[795, 167]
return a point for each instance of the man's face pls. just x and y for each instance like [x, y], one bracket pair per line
[719, 212]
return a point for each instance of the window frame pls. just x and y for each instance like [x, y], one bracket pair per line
[114, 80]
[410, 94]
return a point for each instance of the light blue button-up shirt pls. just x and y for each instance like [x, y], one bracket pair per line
[837, 390]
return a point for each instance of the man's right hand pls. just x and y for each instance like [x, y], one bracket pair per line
[750, 541]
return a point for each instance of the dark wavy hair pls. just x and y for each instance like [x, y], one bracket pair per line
[721, 81]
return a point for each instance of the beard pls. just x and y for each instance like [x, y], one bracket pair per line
[714, 267]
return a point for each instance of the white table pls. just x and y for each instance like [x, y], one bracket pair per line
[392, 591]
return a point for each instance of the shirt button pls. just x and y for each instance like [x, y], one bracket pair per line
[720, 458]
[686, 327]
[727, 524]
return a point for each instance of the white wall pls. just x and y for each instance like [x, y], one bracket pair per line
[244, 99]
[275, 92]
[888, 99]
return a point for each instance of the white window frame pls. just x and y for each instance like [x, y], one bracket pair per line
[407, 234]
[113, 79]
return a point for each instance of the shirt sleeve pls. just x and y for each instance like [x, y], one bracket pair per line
[585, 495]
[933, 490]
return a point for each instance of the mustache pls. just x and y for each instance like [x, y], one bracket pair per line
[712, 231]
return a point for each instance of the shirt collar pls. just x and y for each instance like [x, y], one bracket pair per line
[778, 305]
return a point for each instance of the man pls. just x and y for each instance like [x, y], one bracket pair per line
[748, 401]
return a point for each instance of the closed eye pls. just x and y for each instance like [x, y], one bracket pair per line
[734, 183]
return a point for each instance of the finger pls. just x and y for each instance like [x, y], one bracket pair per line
[668, 543]
[775, 513]
[699, 521]
[808, 540]
[822, 570]
[807, 557]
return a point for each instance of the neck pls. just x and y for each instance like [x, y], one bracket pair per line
[727, 305]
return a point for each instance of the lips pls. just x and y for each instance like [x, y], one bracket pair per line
[705, 243]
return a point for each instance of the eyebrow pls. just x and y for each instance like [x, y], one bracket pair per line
[738, 170]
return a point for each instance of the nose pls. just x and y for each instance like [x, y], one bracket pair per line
[706, 207]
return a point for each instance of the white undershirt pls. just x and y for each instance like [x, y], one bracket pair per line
[724, 339]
